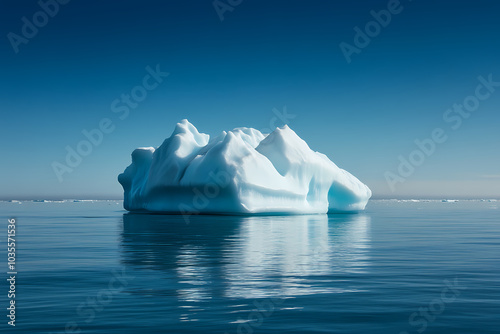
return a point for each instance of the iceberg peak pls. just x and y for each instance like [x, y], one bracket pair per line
[241, 171]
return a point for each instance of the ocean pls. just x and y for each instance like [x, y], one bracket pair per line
[399, 267]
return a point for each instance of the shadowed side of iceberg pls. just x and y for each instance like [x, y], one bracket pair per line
[238, 172]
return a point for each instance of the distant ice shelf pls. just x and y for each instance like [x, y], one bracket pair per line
[242, 171]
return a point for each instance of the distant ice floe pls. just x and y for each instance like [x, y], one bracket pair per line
[61, 201]
[434, 200]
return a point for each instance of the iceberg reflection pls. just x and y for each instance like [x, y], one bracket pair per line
[248, 257]
[299, 255]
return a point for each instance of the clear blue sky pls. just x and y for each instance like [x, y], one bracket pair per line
[225, 74]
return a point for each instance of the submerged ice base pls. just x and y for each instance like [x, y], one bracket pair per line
[238, 172]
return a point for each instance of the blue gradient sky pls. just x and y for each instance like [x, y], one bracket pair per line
[230, 73]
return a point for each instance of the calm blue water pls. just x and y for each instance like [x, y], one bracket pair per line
[399, 267]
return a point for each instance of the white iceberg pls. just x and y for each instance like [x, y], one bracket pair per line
[238, 172]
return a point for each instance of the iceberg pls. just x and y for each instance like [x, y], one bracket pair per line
[242, 171]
